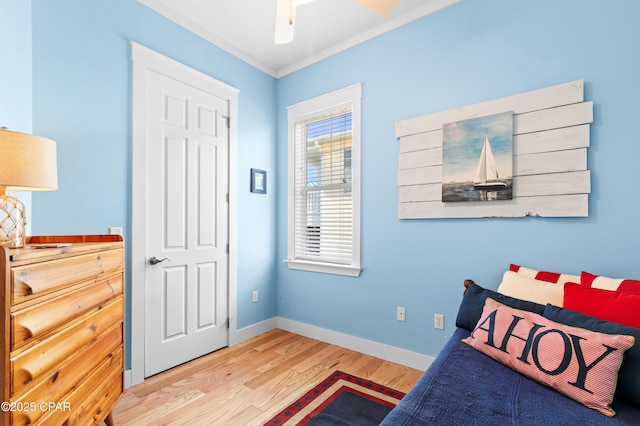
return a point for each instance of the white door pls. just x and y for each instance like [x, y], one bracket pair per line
[186, 295]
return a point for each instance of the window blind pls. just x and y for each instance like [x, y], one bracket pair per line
[323, 204]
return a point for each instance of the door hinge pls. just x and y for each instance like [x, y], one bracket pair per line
[227, 248]
[227, 197]
[228, 118]
[228, 322]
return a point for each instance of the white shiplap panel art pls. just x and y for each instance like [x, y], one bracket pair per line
[550, 177]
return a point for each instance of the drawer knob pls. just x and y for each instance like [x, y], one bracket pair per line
[154, 260]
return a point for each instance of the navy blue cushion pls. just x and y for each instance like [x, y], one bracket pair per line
[463, 386]
[629, 375]
[473, 303]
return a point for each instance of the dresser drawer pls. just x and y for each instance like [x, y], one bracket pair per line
[104, 394]
[105, 379]
[37, 279]
[73, 371]
[35, 321]
[40, 360]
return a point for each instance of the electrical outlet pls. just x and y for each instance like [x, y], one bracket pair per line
[115, 230]
[400, 313]
[438, 321]
[254, 296]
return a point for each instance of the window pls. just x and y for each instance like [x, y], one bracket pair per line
[324, 183]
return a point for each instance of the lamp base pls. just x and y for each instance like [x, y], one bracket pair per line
[13, 220]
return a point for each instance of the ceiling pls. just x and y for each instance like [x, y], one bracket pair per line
[245, 28]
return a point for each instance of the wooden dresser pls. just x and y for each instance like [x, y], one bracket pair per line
[62, 330]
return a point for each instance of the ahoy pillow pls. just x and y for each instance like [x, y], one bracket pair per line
[579, 363]
[629, 376]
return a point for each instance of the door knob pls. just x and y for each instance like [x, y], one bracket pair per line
[154, 260]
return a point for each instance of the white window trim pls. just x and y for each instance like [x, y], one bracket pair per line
[349, 96]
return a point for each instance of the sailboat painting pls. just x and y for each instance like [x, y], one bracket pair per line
[477, 159]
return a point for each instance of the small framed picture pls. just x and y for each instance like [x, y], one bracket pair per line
[258, 181]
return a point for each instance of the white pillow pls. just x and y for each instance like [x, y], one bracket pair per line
[521, 287]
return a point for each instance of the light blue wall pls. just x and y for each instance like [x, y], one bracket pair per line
[82, 99]
[15, 68]
[473, 51]
[15, 75]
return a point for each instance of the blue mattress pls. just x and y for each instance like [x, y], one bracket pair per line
[465, 387]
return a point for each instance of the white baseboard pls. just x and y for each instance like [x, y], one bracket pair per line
[369, 347]
[251, 331]
[127, 379]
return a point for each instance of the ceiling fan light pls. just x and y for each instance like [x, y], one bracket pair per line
[285, 22]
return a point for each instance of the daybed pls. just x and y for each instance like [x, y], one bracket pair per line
[464, 386]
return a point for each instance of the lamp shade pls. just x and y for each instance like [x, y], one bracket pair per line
[27, 162]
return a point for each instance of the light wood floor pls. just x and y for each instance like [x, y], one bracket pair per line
[249, 383]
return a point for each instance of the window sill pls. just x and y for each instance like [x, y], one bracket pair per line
[327, 268]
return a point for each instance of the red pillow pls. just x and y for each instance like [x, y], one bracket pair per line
[579, 363]
[614, 306]
[605, 283]
[550, 277]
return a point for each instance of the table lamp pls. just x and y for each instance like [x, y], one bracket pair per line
[27, 163]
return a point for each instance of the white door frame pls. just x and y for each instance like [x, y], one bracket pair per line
[145, 59]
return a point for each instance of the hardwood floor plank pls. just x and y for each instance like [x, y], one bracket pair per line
[249, 383]
[161, 380]
[284, 366]
[320, 360]
[251, 416]
[130, 406]
[220, 404]
[274, 338]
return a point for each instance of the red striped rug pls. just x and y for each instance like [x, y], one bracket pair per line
[341, 399]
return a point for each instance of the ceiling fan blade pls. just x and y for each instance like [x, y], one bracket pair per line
[285, 22]
[381, 7]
